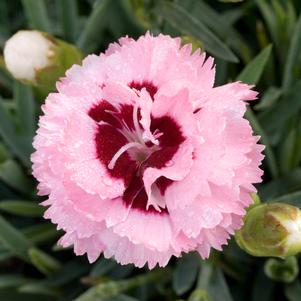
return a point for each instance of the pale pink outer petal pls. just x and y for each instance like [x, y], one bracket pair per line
[217, 178]
[115, 47]
[179, 108]
[91, 237]
[152, 230]
[201, 214]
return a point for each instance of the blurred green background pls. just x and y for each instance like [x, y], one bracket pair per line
[256, 41]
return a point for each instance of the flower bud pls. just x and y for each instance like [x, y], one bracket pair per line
[39, 59]
[280, 270]
[271, 230]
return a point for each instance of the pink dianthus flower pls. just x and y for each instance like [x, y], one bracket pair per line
[142, 158]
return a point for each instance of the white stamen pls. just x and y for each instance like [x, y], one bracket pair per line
[136, 124]
[155, 198]
[127, 132]
[157, 134]
[121, 151]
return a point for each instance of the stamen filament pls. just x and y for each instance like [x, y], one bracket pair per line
[136, 124]
[121, 151]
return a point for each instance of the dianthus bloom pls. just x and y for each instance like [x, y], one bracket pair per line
[142, 158]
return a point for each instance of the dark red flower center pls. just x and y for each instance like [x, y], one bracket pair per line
[122, 150]
[149, 86]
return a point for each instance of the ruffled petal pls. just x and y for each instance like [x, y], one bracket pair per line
[176, 170]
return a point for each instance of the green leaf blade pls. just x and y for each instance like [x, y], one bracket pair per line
[185, 274]
[253, 71]
[14, 240]
[187, 24]
[22, 208]
[93, 27]
[43, 261]
[36, 14]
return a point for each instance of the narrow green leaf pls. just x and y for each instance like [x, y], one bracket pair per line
[38, 289]
[43, 262]
[204, 276]
[270, 156]
[3, 153]
[10, 294]
[14, 240]
[291, 17]
[123, 20]
[287, 150]
[269, 17]
[20, 146]
[288, 183]
[293, 291]
[251, 74]
[36, 14]
[187, 24]
[263, 288]
[102, 266]
[263, 41]
[7, 192]
[273, 120]
[122, 298]
[296, 158]
[12, 175]
[41, 232]
[12, 280]
[253, 71]
[231, 1]
[199, 295]
[69, 272]
[93, 27]
[51, 286]
[213, 281]
[121, 272]
[22, 208]
[218, 24]
[269, 98]
[185, 274]
[4, 254]
[291, 198]
[292, 57]
[279, 11]
[233, 15]
[69, 19]
[25, 109]
[5, 78]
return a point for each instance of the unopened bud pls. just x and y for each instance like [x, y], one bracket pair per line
[271, 230]
[39, 59]
[280, 270]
